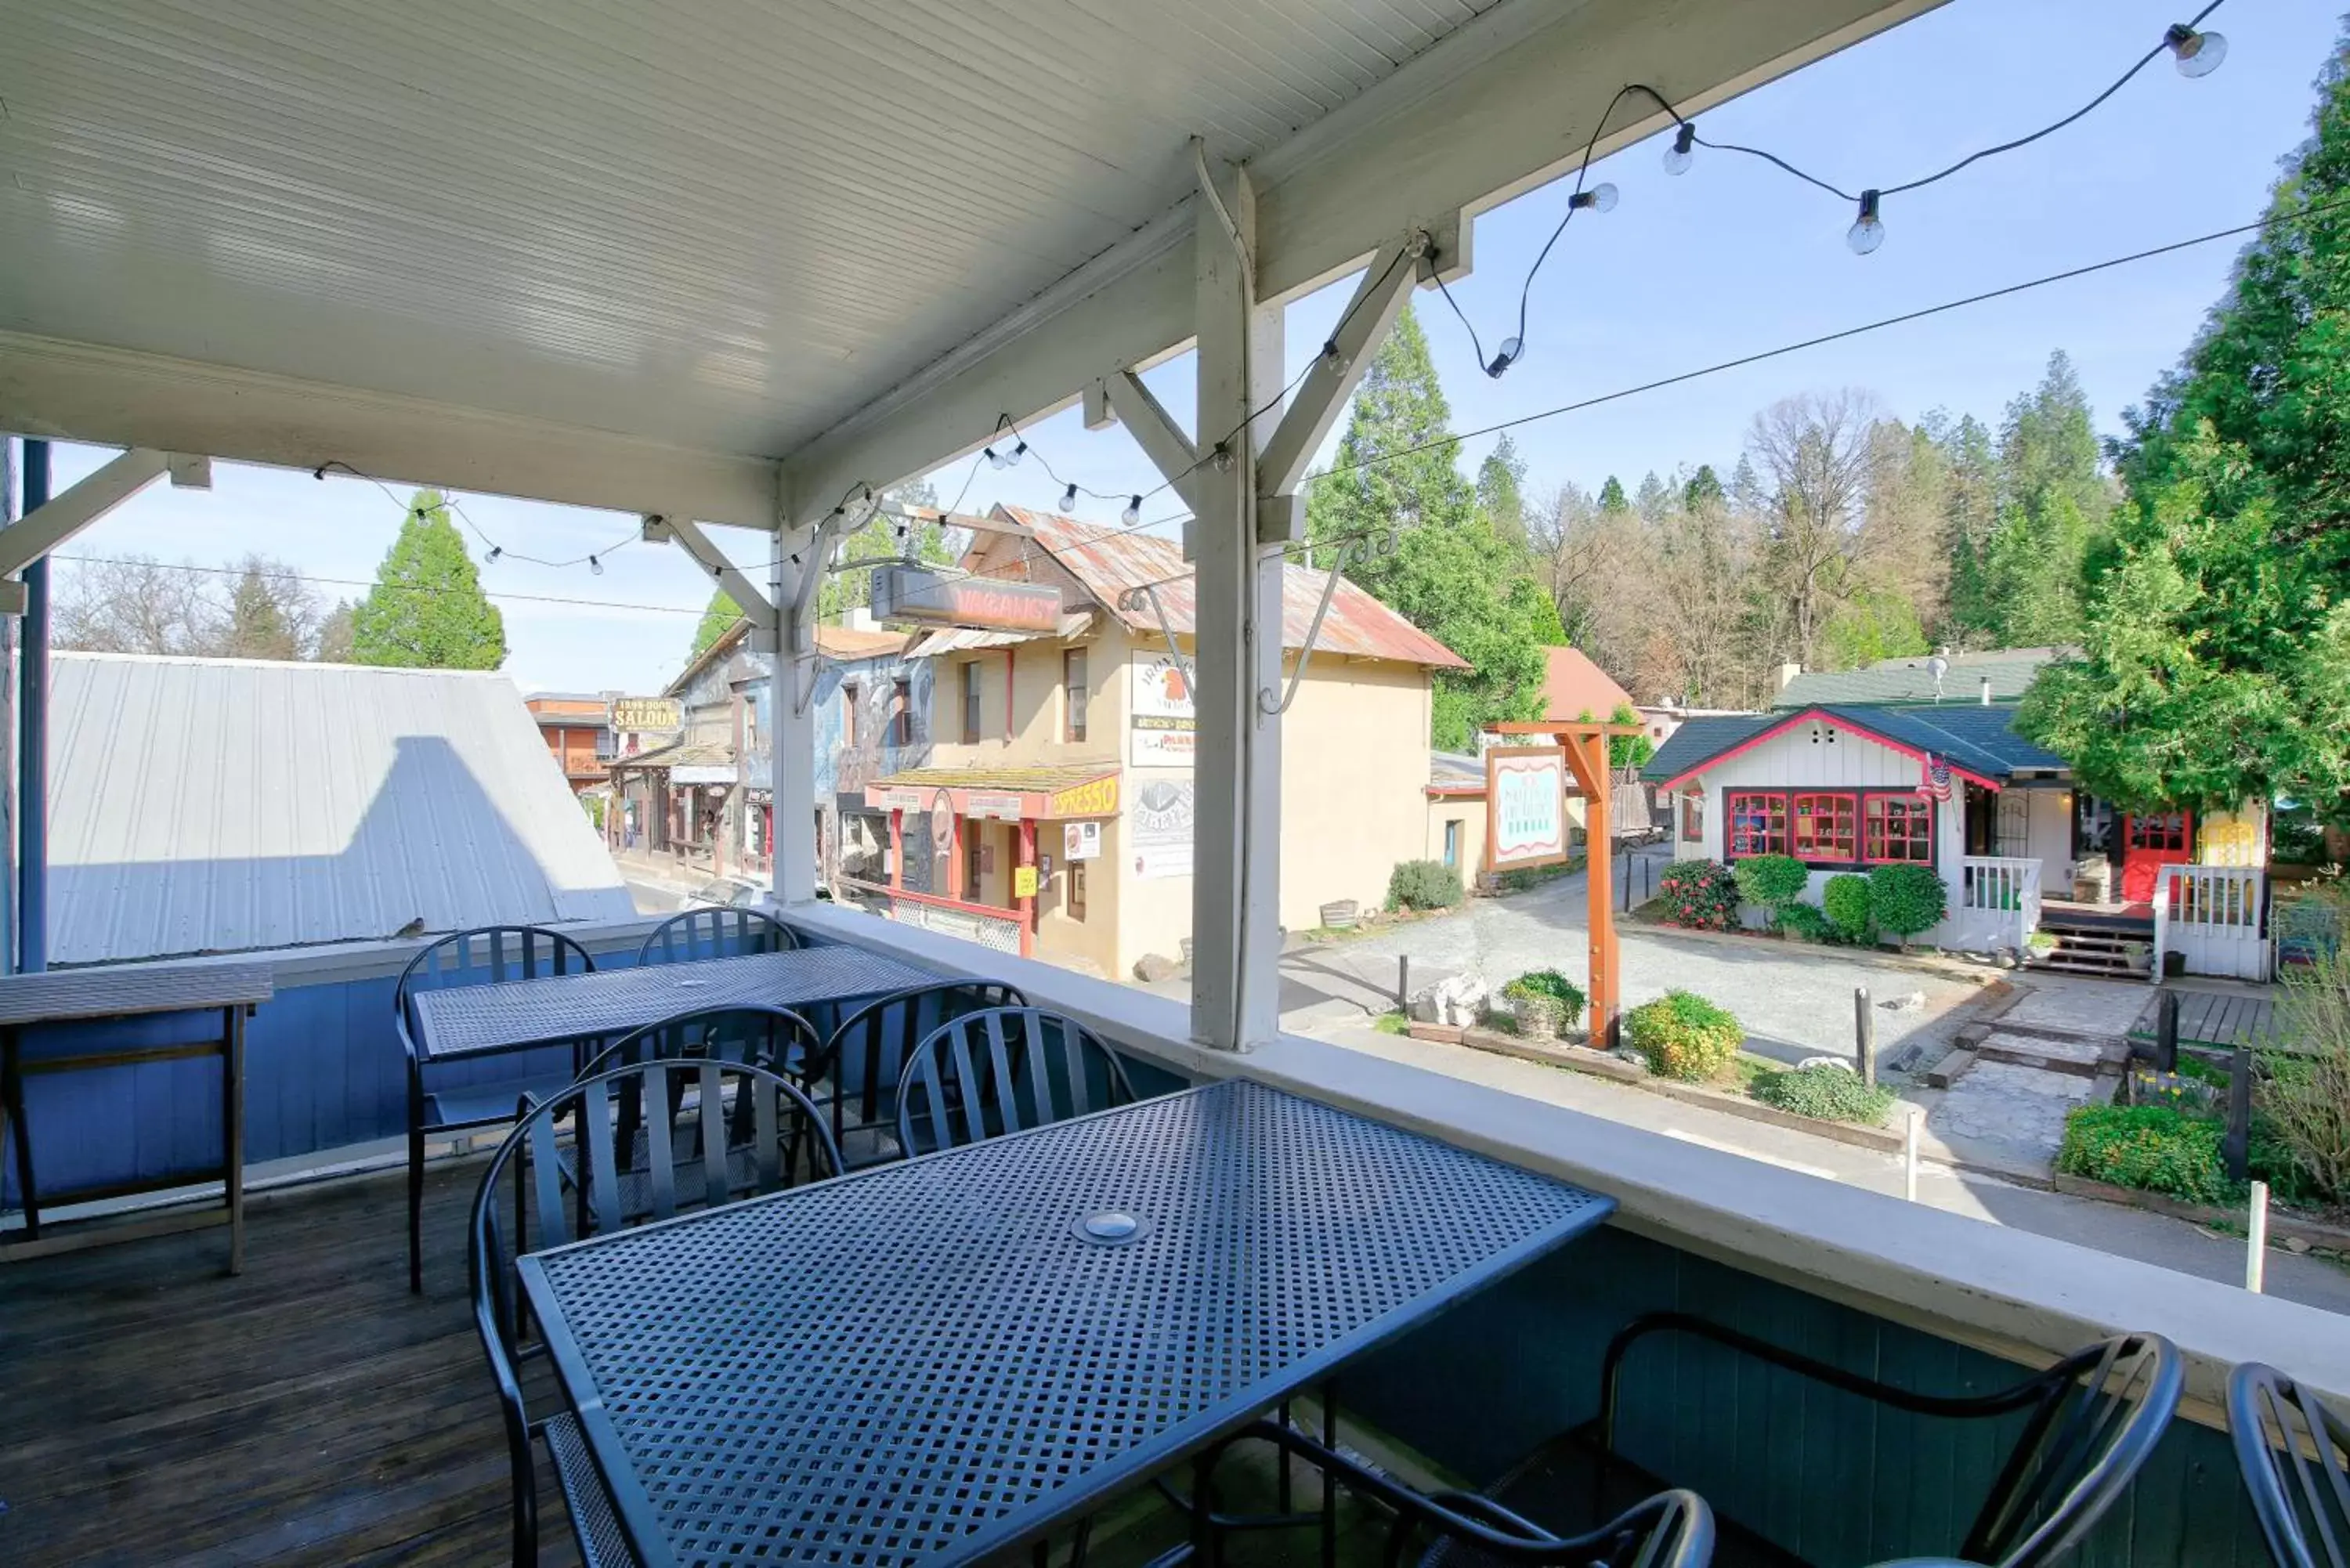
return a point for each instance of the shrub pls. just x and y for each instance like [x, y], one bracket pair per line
[1905, 899]
[2153, 1147]
[1423, 885]
[1804, 923]
[1845, 902]
[1683, 1035]
[1549, 983]
[2307, 1098]
[1698, 894]
[1826, 1093]
[1773, 881]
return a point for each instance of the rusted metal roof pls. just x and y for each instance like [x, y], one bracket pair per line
[1108, 562]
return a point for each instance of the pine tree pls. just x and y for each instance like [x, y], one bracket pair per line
[427, 609]
[259, 625]
[2217, 647]
[1449, 573]
[1703, 489]
[1501, 480]
[1611, 497]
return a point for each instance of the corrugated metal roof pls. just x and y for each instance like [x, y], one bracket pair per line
[216, 805]
[1110, 561]
[2011, 671]
[725, 226]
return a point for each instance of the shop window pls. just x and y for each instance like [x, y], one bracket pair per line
[1823, 827]
[1693, 817]
[1452, 843]
[1077, 900]
[1074, 694]
[971, 720]
[1757, 824]
[1899, 827]
[901, 712]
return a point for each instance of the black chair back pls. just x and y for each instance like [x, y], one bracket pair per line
[751, 1032]
[486, 955]
[2295, 1453]
[2096, 1417]
[868, 1051]
[736, 1132]
[716, 933]
[1002, 1070]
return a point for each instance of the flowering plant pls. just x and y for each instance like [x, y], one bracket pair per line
[1701, 895]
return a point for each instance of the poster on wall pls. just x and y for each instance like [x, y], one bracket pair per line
[1158, 824]
[1165, 725]
[1082, 840]
[1525, 792]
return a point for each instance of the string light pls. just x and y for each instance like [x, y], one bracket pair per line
[1600, 198]
[1868, 231]
[2197, 54]
[1069, 499]
[595, 565]
[1132, 515]
[1677, 157]
[496, 552]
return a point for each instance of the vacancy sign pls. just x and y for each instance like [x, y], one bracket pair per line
[1525, 795]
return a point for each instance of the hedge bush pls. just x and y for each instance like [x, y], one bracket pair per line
[1549, 983]
[1905, 899]
[1804, 923]
[1683, 1035]
[1826, 1094]
[1772, 881]
[1846, 903]
[2152, 1147]
[1423, 885]
[1700, 894]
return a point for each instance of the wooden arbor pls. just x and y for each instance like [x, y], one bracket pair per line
[1585, 743]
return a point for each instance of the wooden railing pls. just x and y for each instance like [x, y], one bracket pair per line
[2215, 917]
[1001, 929]
[1996, 903]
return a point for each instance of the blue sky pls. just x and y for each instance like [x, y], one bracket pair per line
[1727, 259]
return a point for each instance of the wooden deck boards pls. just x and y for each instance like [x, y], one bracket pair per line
[310, 1411]
[2214, 1018]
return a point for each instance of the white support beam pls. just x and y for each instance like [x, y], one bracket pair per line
[1502, 104]
[1236, 855]
[796, 574]
[1162, 441]
[114, 397]
[59, 518]
[1322, 396]
[687, 536]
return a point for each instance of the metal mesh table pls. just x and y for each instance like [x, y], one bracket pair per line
[477, 1019]
[930, 1360]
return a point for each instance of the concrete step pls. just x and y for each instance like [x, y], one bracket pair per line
[2115, 968]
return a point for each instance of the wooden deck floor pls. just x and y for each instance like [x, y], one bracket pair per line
[2220, 1019]
[154, 1411]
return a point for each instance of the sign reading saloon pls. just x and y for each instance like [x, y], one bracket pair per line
[980, 604]
[1525, 802]
[1165, 724]
[647, 715]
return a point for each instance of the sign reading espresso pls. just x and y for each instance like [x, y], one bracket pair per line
[905, 593]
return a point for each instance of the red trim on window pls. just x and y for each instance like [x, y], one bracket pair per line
[1823, 826]
[1753, 822]
[1872, 842]
[1790, 822]
[1825, 717]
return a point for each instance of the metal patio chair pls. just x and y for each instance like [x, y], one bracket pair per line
[699, 934]
[2295, 1453]
[1672, 1529]
[486, 955]
[729, 1141]
[857, 1075]
[1002, 1070]
[2094, 1417]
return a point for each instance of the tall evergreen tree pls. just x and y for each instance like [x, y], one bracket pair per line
[2217, 647]
[427, 609]
[1449, 573]
[1703, 489]
[1611, 497]
[1501, 480]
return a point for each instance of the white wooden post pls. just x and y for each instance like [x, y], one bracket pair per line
[2256, 1240]
[1909, 1155]
[791, 752]
[1237, 863]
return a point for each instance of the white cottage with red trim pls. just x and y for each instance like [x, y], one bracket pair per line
[1847, 786]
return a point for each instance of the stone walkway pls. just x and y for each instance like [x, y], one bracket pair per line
[2015, 1114]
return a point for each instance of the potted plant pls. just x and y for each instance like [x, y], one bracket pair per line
[1543, 1002]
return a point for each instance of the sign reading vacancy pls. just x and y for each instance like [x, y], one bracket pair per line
[647, 715]
[1165, 724]
[1525, 807]
[979, 604]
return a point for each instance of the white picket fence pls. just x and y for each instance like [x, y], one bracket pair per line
[2213, 916]
[1995, 905]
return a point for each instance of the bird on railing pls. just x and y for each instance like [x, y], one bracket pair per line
[414, 928]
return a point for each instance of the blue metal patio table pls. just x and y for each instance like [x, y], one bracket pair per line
[466, 1022]
[930, 1362]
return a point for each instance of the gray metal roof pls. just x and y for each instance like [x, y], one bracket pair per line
[2011, 671]
[215, 806]
[1978, 738]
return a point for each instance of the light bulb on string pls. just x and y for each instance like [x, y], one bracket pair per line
[1600, 198]
[1678, 156]
[595, 566]
[1867, 231]
[2197, 54]
[495, 551]
[1012, 459]
[1133, 513]
[994, 458]
[1069, 499]
[1507, 355]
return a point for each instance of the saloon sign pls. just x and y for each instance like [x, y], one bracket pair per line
[903, 593]
[647, 715]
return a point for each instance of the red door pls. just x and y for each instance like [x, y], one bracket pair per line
[2148, 844]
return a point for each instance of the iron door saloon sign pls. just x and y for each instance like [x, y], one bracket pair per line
[980, 604]
[1525, 807]
[647, 715]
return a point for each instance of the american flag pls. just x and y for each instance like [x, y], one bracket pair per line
[1934, 777]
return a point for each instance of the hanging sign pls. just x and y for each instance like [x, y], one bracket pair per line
[647, 715]
[1096, 797]
[1000, 807]
[1082, 840]
[1525, 807]
[903, 593]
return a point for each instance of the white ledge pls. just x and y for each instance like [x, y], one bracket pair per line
[2028, 1298]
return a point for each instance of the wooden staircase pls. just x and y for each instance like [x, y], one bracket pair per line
[2092, 945]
